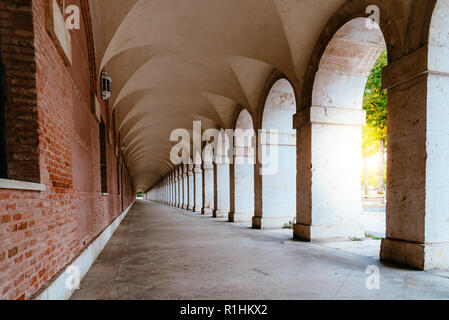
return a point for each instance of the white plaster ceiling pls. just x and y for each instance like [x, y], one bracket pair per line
[176, 61]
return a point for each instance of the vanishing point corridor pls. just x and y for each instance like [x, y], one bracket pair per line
[224, 150]
[160, 252]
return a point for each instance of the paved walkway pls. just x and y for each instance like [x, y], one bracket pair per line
[161, 252]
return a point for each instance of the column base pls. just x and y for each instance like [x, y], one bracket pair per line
[179, 206]
[270, 222]
[416, 255]
[220, 214]
[190, 208]
[206, 211]
[240, 216]
[324, 232]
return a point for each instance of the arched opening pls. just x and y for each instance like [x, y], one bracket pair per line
[243, 169]
[277, 154]
[331, 136]
[374, 146]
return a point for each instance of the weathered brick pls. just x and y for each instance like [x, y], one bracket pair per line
[12, 252]
[44, 140]
[5, 218]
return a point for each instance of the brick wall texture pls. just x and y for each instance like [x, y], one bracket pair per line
[53, 139]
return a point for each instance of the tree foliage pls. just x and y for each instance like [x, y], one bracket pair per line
[375, 105]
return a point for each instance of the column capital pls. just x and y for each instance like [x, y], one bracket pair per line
[197, 168]
[408, 67]
[208, 166]
[418, 63]
[222, 160]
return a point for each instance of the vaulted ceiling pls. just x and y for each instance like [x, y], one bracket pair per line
[176, 61]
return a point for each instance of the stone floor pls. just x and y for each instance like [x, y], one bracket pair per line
[160, 252]
[374, 216]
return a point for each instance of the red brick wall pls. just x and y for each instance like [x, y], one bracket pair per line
[41, 232]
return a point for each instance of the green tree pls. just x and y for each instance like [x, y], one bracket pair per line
[375, 132]
[375, 99]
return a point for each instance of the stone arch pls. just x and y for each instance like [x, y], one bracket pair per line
[419, 24]
[275, 190]
[330, 134]
[242, 168]
[350, 10]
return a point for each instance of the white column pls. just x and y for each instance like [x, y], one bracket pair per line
[164, 190]
[169, 189]
[222, 190]
[173, 198]
[198, 188]
[179, 190]
[242, 180]
[176, 172]
[208, 188]
[161, 191]
[185, 187]
[329, 173]
[191, 187]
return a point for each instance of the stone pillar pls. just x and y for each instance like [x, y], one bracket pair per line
[242, 186]
[276, 183]
[179, 187]
[170, 189]
[173, 188]
[208, 188]
[185, 187]
[418, 157]
[222, 190]
[161, 192]
[167, 196]
[198, 188]
[329, 164]
[167, 191]
[191, 188]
